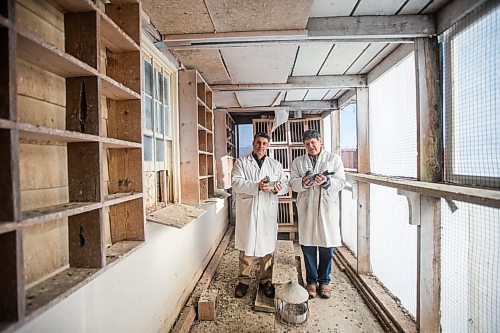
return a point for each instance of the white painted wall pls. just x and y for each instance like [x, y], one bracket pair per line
[141, 292]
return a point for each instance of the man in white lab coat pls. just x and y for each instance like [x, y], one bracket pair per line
[317, 177]
[256, 181]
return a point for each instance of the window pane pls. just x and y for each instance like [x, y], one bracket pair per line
[158, 86]
[148, 112]
[159, 118]
[160, 150]
[167, 120]
[166, 87]
[148, 79]
[148, 148]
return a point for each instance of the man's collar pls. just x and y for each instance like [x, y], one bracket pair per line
[257, 158]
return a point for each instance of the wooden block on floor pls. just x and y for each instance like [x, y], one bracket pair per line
[263, 303]
[208, 304]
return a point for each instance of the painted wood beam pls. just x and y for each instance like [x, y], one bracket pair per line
[346, 98]
[391, 60]
[381, 26]
[388, 29]
[454, 11]
[292, 106]
[301, 82]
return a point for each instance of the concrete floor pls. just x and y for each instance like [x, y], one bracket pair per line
[345, 311]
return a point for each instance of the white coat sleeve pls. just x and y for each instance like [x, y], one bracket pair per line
[283, 181]
[337, 181]
[296, 177]
[239, 183]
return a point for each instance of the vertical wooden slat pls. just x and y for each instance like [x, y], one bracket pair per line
[335, 131]
[125, 120]
[125, 170]
[83, 104]
[127, 221]
[429, 145]
[82, 37]
[127, 17]
[86, 240]
[363, 229]
[84, 171]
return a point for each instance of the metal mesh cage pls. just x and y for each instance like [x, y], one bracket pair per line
[470, 283]
[470, 52]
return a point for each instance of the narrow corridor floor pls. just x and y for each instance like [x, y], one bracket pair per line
[345, 311]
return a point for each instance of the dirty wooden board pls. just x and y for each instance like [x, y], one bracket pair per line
[284, 266]
[175, 215]
[263, 303]
[207, 61]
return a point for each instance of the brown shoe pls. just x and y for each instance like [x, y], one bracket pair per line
[311, 290]
[241, 290]
[267, 288]
[325, 290]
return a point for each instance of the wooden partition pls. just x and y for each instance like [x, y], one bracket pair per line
[70, 135]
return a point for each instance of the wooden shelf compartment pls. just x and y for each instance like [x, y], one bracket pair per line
[76, 6]
[124, 120]
[210, 165]
[281, 155]
[296, 152]
[202, 140]
[297, 128]
[9, 180]
[127, 222]
[120, 250]
[209, 98]
[11, 279]
[85, 257]
[114, 38]
[5, 22]
[117, 198]
[204, 189]
[210, 142]
[51, 291]
[202, 165]
[201, 89]
[45, 214]
[125, 170]
[115, 90]
[48, 57]
[279, 135]
[209, 119]
[285, 213]
[201, 116]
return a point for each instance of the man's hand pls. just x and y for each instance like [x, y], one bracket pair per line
[277, 187]
[306, 181]
[319, 179]
[264, 185]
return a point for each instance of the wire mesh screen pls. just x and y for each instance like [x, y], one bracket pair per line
[471, 61]
[349, 219]
[393, 127]
[470, 282]
[393, 244]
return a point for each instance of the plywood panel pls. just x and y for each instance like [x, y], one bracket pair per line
[341, 57]
[207, 61]
[42, 166]
[40, 261]
[38, 83]
[315, 94]
[255, 15]
[261, 64]
[179, 17]
[414, 7]
[86, 240]
[332, 93]
[310, 58]
[257, 98]
[295, 95]
[225, 99]
[324, 8]
[371, 51]
[378, 7]
[31, 199]
[37, 112]
[127, 221]
[42, 19]
[379, 57]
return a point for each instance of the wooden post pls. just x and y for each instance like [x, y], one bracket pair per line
[362, 123]
[429, 170]
[335, 130]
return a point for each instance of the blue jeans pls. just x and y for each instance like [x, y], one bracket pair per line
[318, 273]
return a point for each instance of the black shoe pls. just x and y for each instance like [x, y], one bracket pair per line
[267, 289]
[241, 290]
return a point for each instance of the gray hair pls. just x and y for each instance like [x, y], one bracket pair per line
[311, 134]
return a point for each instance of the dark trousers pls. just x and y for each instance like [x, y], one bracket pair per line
[318, 272]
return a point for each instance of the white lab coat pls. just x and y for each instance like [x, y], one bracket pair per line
[256, 211]
[317, 208]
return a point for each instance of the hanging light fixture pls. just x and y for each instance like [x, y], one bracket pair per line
[291, 304]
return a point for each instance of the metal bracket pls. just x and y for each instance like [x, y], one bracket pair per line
[354, 190]
[413, 206]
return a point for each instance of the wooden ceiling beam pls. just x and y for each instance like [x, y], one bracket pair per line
[301, 82]
[290, 106]
[387, 29]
